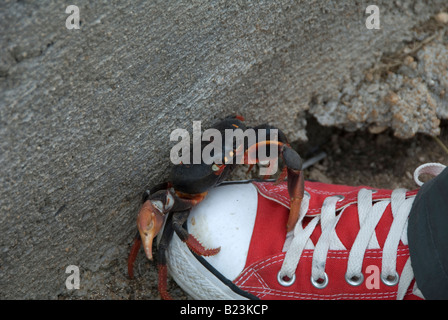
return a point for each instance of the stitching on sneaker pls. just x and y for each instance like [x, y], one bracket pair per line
[312, 296]
[254, 268]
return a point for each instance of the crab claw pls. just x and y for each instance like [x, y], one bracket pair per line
[149, 223]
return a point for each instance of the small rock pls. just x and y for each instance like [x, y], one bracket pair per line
[373, 88]
[375, 129]
[442, 17]
[392, 98]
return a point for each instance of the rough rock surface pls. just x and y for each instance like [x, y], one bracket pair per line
[85, 115]
[413, 99]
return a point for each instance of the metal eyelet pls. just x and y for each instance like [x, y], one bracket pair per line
[341, 197]
[285, 283]
[307, 194]
[355, 280]
[390, 280]
[320, 283]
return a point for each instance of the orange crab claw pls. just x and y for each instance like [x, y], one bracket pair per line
[149, 223]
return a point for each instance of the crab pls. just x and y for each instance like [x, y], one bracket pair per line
[168, 205]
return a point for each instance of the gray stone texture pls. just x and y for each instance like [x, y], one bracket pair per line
[85, 115]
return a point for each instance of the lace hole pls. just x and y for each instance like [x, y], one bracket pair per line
[284, 280]
[355, 280]
[391, 279]
[320, 283]
[341, 197]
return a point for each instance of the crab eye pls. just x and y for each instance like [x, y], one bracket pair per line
[215, 167]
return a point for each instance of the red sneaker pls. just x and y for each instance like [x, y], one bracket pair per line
[350, 243]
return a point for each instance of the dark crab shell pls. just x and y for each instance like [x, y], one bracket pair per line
[196, 178]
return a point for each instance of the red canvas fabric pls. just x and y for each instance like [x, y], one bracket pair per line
[265, 256]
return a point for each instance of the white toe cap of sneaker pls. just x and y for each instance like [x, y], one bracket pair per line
[226, 219]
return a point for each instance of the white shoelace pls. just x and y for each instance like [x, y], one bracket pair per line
[369, 213]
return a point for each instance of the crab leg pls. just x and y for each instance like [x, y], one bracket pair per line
[133, 254]
[296, 182]
[296, 189]
[161, 260]
[181, 211]
[179, 219]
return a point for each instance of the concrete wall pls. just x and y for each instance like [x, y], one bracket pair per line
[85, 115]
